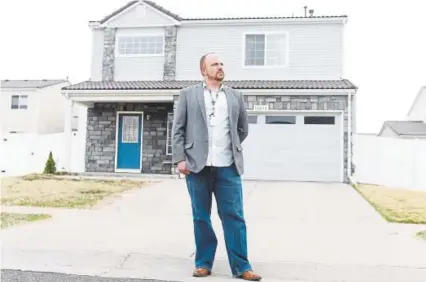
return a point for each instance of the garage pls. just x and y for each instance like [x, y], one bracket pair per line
[294, 147]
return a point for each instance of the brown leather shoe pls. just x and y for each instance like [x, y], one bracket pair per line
[201, 272]
[250, 276]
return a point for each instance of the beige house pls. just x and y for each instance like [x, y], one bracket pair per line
[32, 106]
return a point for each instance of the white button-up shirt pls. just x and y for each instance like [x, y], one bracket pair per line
[220, 145]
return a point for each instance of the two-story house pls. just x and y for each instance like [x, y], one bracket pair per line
[32, 106]
[301, 110]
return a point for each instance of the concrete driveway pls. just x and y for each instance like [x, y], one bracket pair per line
[296, 231]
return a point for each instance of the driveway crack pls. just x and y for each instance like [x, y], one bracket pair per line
[119, 265]
[125, 259]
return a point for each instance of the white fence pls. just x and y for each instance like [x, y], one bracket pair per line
[22, 154]
[399, 163]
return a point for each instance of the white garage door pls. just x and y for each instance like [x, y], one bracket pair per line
[295, 147]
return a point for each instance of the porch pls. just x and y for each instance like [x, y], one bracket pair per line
[124, 131]
[129, 137]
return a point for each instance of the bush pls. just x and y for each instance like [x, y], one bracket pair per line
[50, 167]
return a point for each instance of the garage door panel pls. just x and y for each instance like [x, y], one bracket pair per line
[301, 152]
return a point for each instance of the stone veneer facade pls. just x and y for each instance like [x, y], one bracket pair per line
[101, 136]
[101, 128]
[108, 54]
[170, 53]
[170, 41]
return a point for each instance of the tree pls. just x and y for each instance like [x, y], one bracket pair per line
[50, 167]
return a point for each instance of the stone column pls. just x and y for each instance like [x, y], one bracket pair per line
[170, 53]
[108, 54]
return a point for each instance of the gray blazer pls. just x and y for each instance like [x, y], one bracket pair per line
[190, 133]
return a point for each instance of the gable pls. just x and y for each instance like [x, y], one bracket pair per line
[387, 131]
[140, 14]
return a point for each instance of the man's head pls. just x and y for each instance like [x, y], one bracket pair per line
[211, 67]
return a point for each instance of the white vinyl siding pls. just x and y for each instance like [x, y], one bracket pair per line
[97, 54]
[147, 60]
[140, 45]
[314, 51]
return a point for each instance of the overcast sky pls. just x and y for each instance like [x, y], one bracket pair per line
[385, 42]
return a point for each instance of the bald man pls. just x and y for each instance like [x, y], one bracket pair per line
[209, 127]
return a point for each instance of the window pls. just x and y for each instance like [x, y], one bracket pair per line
[130, 130]
[169, 134]
[19, 102]
[319, 120]
[280, 120]
[266, 49]
[140, 45]
[252, 119]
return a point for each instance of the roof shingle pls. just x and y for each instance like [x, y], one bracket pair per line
[41, 83]
[407, 127]
[179, 18]
[237, 84]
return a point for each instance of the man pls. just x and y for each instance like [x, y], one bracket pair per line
[209, 126]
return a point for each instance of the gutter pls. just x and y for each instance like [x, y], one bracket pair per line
[349, 157]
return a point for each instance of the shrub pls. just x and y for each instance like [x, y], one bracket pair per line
[50, 167]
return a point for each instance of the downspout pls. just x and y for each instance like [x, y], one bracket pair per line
[349, 138]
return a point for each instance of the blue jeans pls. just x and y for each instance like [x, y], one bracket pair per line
[225, 184]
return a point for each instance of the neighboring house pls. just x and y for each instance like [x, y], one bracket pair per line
[418, 109]
[301, 110]
[32, 106]
[414, 126]
[404, 129]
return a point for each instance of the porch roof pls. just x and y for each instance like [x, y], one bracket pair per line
[342, 84]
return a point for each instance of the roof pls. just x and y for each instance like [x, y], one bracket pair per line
[150, 3]
[26, 83]
[406, 127]
[179, 18]
[237, 84]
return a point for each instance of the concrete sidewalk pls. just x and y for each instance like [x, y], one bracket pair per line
[296, 231]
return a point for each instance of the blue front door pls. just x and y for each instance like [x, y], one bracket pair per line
[129, 141]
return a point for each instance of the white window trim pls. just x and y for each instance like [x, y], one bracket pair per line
[19, 101]
[266, 33]
[169, 129]
[118, 55]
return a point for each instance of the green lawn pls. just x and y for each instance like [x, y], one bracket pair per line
[396, 205]
[10, 219]
[422, 234]
[50, 191]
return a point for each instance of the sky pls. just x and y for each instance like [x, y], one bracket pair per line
[385, 42]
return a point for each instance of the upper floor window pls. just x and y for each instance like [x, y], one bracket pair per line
[19, 102]
[266, 49]
[140, 45]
